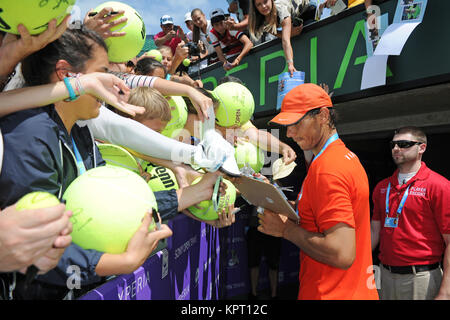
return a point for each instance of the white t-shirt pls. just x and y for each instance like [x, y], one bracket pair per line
[189, 35]
[205, 36]
[403, 178]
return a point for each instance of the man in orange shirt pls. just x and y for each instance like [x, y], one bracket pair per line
[333, 205]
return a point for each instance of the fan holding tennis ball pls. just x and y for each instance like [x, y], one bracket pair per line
[125, 48]
[37, 200]
[33, 14]
[108, 205]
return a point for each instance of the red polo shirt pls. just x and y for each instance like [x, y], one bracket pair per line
[173, 43]
[425, 217]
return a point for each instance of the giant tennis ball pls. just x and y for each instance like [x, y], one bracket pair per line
[179, 113]
[33, 14]
[37, 200]
[123, 49]
[108, 204]
[161, 179]
[118, 157]
[155, 54]
[205, 209]
[236, 104]
[247, 153]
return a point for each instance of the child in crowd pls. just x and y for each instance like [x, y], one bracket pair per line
[150, 67]
[231, 46]
[181, 77]
[157, 109]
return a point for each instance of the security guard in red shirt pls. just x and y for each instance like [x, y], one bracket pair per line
[411, 222]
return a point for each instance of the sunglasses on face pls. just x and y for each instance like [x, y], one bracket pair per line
[403, 144]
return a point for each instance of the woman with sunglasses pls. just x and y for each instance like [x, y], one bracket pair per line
[411, 223]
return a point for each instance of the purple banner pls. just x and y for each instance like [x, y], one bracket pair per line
[199, 263]
[187, 269]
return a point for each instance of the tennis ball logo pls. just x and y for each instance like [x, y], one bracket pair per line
[33, 14]
[179, 115]
[205, 209]
[247, 153]
[161, 179]
[108, 205]
[123, 49]
[37, 200]
[236, 104]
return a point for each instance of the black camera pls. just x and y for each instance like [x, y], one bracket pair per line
[194, 49]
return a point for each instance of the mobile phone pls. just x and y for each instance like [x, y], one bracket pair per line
[93, 14]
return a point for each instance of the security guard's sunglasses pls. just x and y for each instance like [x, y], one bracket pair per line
[403, 144]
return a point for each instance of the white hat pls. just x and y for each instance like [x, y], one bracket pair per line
[166, 19]
[187, 17]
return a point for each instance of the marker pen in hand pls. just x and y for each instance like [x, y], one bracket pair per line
[156, 219]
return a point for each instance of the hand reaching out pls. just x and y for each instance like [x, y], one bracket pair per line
[103, 22]
[108, 88]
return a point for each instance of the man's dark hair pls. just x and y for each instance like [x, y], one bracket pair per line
[333, 116]
[75, 46]
[417, 132]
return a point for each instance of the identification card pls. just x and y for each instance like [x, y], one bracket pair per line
[391, 222]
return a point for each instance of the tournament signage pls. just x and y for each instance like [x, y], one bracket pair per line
[333, 51]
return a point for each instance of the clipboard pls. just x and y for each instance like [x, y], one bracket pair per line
[262, 194]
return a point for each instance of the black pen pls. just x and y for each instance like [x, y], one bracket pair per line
[92, 14]
[156, 219]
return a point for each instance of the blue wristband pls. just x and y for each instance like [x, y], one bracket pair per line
[72, 95]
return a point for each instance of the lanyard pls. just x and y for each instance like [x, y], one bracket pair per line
[402, 202]
[80, 164]
[330, 140]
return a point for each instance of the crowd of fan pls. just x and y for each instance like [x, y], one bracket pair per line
[227, 36]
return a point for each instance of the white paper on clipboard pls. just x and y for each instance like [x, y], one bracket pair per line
[265, 195]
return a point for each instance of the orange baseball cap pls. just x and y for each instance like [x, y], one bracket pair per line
[299, 101]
